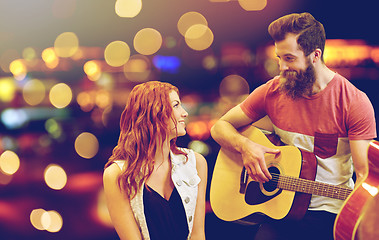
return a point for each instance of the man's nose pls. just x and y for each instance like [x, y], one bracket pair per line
[282, 66]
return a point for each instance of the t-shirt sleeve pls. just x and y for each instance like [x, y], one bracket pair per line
[254, 105]
[362, 123]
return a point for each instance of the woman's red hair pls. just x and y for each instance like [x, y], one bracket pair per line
[144, 127]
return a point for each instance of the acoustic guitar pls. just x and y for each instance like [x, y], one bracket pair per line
[234, 196]
[350, 215]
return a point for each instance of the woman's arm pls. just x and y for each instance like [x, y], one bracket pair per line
[119, 206]
[198, 231]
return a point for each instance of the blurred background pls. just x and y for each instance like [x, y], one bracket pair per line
[67, 66]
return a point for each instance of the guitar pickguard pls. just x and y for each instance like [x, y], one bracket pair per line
[257, 193]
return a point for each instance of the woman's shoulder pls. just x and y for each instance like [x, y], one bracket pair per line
[200, 159]
[113, 171]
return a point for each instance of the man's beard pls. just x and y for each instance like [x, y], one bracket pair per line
[298, 84]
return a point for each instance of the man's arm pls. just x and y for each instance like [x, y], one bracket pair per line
[359, 150]
[225, 133]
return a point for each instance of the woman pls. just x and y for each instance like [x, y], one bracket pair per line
[154, 189]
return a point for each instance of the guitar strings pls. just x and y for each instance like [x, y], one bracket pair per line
[309, 186]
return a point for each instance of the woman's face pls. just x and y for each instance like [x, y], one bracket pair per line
[179, 115]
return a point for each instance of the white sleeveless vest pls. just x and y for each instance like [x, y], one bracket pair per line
[185, 178]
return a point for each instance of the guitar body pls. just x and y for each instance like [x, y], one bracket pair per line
[255, 202]
[349, 217]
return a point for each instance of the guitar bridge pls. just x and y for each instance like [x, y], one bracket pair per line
[243, 180]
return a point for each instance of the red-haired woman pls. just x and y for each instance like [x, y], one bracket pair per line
[154, 189]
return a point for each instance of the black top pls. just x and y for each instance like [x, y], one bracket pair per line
[166, 220]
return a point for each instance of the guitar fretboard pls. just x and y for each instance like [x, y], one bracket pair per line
[311, 187]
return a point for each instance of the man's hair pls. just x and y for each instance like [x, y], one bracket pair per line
[311, 33]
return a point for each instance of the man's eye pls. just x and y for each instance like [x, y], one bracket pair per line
[289, 59]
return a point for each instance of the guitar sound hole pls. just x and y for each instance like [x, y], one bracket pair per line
[271, 185]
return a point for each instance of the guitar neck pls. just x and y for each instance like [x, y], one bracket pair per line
[311, 187]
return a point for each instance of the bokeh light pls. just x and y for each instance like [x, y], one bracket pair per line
[210, 62]
[36, 217]
[34, 92]
[66, 44]
[29, 53]
[7, 89]
[147, 41]
[199, 37]
[189, 19]
[128, 8]
[138, 68]
[50, 58]
[52, 221]
[60, 95]
[253, 5]
[117, 53]
[55, 176]
[200, 147]
[93, 70]
[198, 130]
[18, 69]
[9, 162]
[234, 88]
[103, 99]
[85, 101]
[86, 145]
[53, 128]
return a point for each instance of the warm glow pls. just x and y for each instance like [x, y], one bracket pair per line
[117, 53]
[373, 190]
[5, 178]
[103, 99]
[253, 5]
[50, 58]
[9, 162]
[234, 88]
[52, 221]
[55, 177]
[85, 101]
[189, 19]
[60, 95]
[86, 145]
[199, 37]
[18, 69]
[93, 70]
[66, 44]
[198, 130]
[138, 68]
[7, 89]
[128, 8]
[209, 62]
[36, 217]
[29, 54]
[34, 92]
[345, 53]
[147, 41]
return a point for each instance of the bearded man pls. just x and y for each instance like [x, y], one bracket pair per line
[310, 107]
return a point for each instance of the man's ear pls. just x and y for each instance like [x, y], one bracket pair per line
[316, 55]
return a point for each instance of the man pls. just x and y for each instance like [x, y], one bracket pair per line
[312, 108]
